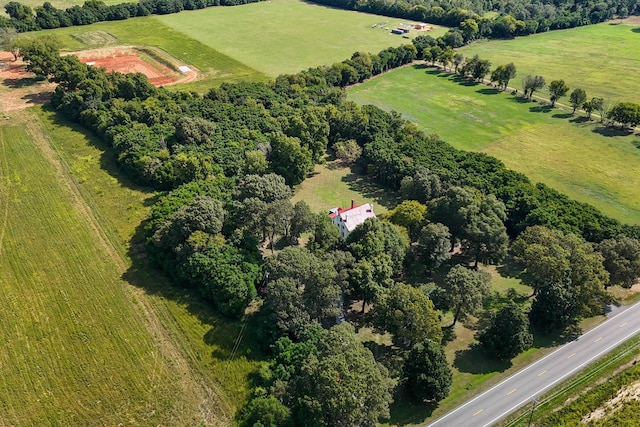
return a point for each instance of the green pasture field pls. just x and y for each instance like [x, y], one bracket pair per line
[121, 206]
[287, 36]
[602, 59]
[76, 344]
[590, 164]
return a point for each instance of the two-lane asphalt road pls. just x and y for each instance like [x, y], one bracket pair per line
[521, 387]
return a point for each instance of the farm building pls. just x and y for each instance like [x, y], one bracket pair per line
[421, 27]
[348, 219]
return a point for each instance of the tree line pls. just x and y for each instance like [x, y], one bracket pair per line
[436, 51]
[230, 158]
[512, 17]
[24, 18]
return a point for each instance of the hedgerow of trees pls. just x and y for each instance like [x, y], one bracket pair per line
[230, 158]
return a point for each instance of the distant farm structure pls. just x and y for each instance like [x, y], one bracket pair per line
[403, 29]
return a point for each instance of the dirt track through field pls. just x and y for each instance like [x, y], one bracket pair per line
[193, 385]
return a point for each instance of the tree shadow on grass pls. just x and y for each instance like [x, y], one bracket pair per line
[357, 181]
[406, 410]
[580, 120]
[541, 109]
[635, 30]
[489, 91]
[562, 115]
[519, 99]
[542, 339]
[474, 361]
[436, 72]
[464, 81]
[612, 131]
[22, 82]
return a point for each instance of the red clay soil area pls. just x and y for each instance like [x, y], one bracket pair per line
[158, 75]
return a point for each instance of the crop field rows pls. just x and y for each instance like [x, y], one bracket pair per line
[75, 343]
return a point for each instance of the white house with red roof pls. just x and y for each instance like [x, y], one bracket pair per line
[348, 219]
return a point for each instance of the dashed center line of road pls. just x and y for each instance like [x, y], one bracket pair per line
[597, 339]
[477, 412]
[542, 373]
[622, 324]
[571, 355]
[511, 392]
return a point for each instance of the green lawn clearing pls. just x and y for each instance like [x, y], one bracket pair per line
[602, 59]
[287, 36]
[335, 185]
[548, 145]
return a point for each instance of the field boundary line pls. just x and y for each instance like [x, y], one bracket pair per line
[6, 195]
[174, 355]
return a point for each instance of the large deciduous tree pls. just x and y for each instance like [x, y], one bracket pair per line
[340, 384]
[409, 214]
[408, 314]
[507, 334]
[466, 289]
[569, 265]
[577, 98]
[503, 74]
[531, 84]
[557, 89]
[621, 260]
[426, 371]
[433, 244]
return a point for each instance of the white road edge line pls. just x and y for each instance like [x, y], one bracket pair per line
[526, 368]
[562, 377]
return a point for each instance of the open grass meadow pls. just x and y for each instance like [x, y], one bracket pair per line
[588, 163]
[77, 346]
[287, 36]
[602, 59]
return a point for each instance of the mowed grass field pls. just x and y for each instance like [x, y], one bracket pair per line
[286, 36]
[603, 59]
[548, 146]
[77, 347]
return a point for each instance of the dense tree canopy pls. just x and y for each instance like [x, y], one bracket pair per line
[466, 289]
[507, 334]
[408, 314]
[427, 372]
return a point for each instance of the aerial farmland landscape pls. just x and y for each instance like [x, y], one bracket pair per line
[319, 213]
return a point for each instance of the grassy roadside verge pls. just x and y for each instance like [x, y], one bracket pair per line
[578, 395]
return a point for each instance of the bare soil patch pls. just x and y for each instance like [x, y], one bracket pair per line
[160, 68]
[19, 88]
[627, 393]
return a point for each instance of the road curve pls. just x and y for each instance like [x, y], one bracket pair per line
[520, 388]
